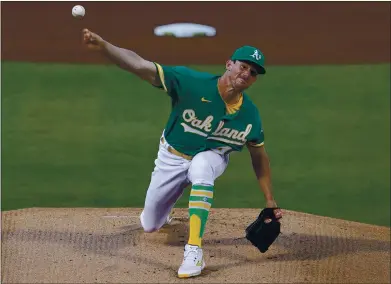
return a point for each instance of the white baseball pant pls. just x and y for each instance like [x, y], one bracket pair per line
[171, 175]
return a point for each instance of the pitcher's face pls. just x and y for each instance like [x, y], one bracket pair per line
[242, 74]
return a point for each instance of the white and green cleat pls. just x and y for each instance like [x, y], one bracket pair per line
[193, 262]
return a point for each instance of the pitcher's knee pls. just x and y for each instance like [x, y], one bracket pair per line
[202, 173]
[148, 228]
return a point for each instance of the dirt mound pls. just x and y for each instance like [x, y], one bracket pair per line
[108, 245]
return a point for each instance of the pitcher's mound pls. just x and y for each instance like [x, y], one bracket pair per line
[109, 246]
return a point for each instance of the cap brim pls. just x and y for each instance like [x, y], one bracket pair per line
[260, 69]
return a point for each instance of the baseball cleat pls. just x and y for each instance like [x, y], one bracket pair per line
[169, 219]
[193, 262]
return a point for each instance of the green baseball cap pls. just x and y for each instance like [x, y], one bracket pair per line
[250, 54]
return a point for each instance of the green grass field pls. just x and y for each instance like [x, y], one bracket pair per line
[87, 136]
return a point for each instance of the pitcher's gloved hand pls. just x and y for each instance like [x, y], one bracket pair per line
[265, 229]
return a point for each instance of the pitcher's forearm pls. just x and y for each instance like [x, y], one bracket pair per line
[262, 171]
[125, 59]
[266, 187]
[132, 62]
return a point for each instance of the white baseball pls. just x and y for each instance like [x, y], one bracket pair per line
[78, 11]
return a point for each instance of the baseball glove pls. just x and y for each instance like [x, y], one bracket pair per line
[262, 234]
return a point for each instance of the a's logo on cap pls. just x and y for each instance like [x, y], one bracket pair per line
[256, 55]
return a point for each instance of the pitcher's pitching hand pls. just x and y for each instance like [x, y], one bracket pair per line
[92, 40]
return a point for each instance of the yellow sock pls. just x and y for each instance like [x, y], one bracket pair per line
[200, 201]
[195, 229]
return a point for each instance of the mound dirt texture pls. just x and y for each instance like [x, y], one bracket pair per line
[109, 246]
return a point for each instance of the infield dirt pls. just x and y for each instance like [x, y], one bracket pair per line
[108, 246]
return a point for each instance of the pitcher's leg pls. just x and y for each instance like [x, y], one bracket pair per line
[205, 168]
[168, 181]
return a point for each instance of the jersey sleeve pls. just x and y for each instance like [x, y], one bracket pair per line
[170, 79]
[258, 139]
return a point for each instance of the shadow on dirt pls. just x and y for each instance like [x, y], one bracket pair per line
[288, 247]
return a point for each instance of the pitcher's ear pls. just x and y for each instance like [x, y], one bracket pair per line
[228, 64]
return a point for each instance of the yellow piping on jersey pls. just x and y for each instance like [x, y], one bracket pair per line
[161, 75]
[256, 145]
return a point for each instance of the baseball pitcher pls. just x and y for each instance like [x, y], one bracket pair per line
[211, 117]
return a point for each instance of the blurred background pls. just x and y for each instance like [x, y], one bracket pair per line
[79, 132]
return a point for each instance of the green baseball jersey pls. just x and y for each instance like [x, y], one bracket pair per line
[199, 120]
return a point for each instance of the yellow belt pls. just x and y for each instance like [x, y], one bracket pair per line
[177, 153]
